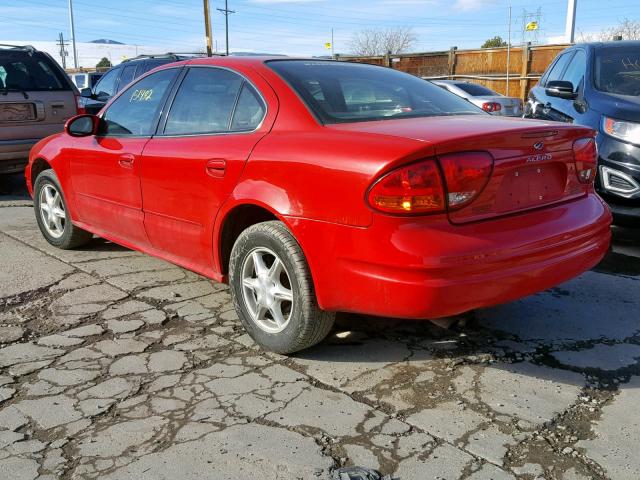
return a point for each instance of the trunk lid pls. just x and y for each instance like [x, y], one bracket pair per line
[38, 116]
[533, 161]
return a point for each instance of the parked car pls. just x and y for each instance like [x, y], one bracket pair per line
[598, 85]
[485, 98]
[118, 77]
[317, 186]
[36, 98]
[85, 79]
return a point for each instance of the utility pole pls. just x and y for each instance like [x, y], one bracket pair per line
[63, 52]
[207, 27]
[333, 56]
[73, 35]
[226, 12]
[570, 29]
[508, 51]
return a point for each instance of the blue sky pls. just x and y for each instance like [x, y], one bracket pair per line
[298, 27]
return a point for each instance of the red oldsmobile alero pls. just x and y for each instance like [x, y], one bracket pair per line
[317, 186]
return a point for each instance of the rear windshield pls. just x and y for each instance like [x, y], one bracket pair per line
[475, 90]
[22, 71]
[617, 70]
[340, 92]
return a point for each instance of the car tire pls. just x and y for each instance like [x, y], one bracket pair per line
[268, 273]
[52, 215]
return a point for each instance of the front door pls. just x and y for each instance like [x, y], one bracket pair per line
[105, 169]
[192, 165]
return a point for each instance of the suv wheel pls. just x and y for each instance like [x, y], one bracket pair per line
[273, 292]
[52, 215]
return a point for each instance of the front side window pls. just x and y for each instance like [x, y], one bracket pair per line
[617, 70]
[558, 67]
[339, 92]
[206, 101]
[576, 70]
[134, 112]
[106, 87]
[127, 76]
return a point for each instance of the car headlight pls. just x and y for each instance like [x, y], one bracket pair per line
[626, 131]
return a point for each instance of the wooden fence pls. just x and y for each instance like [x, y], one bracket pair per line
[487, 66]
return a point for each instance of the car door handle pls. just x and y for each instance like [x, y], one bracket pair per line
[216, 167]
[126, 160]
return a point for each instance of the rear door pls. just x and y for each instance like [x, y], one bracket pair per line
[105, 169]
[36, 97]
[215, 119]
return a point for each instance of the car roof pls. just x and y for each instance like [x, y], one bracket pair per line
[609, 44]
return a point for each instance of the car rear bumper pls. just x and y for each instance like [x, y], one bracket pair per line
[425, 267]
[14, 154]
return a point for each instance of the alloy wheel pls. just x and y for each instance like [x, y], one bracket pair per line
[52, 211]
[266, 290]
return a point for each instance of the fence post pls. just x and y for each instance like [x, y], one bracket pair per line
[524, 81]
[452, 61]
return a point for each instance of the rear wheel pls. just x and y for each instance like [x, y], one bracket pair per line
[52, 215]
[273, 292]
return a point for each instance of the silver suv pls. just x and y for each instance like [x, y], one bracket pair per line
[36, 99]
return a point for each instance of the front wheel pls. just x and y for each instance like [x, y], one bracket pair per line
[273, 291]
[52, 214]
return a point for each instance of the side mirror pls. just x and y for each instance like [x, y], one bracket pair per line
[82, 125]
[86, 93]
[560, 89]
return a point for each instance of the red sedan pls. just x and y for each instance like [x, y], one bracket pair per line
[317, 186]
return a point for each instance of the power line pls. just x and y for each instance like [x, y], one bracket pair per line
[226, 12]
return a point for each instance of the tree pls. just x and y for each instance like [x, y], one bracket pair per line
[373, 42]
[104, 63]
[627, 29]
[494, 42]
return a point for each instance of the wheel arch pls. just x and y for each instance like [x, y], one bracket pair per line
[39, 165]
[232, 222]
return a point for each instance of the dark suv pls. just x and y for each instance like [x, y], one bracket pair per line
[115, 79]
[598, 85]
[36, 99]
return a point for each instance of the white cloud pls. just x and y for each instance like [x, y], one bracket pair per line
[468, 5]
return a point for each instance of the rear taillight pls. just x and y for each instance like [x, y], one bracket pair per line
[416, 188]
[491, 107]
[80, 105]
[585, 155]
[419, 187]
[466, 175]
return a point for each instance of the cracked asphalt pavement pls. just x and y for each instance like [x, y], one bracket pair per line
[116, 365]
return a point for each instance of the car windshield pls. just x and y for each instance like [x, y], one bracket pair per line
[617, 70]
[32, 72]
[340, 92]
[475, 90]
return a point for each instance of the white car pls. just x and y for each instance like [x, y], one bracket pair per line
[483, 97]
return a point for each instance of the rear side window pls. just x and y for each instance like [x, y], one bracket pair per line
[474, 89]
[32, 72]
[249, 111]
[342, 92]
[206, 101]
[135, 111]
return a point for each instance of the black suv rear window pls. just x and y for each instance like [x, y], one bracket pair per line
[30, 72]
[341, 92]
